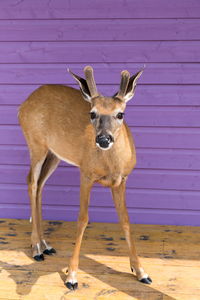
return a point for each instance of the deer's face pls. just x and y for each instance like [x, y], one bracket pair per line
[107, 115]
[107, 112]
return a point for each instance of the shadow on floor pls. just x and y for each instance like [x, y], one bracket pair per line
[26, 279]
[25, 276]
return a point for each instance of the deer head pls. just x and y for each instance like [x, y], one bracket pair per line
[106, 113]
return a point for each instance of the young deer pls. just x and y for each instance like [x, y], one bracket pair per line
[59, 125]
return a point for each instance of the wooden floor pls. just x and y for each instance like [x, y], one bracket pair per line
[170, 254]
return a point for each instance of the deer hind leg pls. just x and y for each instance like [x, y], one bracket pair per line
[120, 204]
[50, 164]
[37, 155]
[85, 188]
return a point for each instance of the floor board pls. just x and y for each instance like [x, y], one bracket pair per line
[170, 254]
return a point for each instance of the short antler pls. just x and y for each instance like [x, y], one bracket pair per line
[125, 76]
[89, 76]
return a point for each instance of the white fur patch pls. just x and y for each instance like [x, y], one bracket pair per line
[72, 277]
[93, 110]
[142, 274]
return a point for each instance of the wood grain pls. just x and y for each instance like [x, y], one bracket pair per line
[169, 254]
[107, 29]
[61, 9]
[146, 95]
[69, 52]
[105, 74]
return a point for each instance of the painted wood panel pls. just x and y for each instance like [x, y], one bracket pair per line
[100, 30]
[109, 51]
[146, 95]
[40, 39]
[62, 9]
[106, 74]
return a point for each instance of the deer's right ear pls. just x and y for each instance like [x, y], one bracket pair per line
[83, 86]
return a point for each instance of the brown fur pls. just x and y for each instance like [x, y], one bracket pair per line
[50, 111]
[56, 124]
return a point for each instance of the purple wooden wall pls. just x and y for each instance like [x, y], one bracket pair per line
[40, 38]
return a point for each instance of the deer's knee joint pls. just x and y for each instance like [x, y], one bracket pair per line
[32, 186]
[126, 226]
[83, 221]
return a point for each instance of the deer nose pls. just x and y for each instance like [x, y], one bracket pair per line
[104, 140]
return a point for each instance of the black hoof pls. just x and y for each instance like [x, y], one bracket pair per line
[49, 251]
[39, 257]
[71, 286]
[146, 280]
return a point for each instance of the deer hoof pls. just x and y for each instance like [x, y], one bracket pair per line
[147, 280]
[71, 286]
[49, 251]
[39, 257]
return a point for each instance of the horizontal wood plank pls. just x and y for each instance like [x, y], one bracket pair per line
[69, 52]
[178, 138]
[61, 9]
[106, 74]
[97, 30]
[146, 95]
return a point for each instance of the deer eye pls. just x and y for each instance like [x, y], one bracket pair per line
[93, 115]
[120, 115]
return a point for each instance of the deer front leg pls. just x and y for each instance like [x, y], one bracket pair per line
[120, 204]
[85, 189]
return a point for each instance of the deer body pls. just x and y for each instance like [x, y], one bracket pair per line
[59, 125]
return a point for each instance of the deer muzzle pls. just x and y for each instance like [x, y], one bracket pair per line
[104, 141]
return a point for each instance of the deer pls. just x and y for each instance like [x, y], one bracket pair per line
[87, 130]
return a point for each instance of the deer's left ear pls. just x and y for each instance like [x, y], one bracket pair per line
[131, 86]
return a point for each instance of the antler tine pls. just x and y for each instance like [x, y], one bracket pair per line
[125, 76]
[88, 70]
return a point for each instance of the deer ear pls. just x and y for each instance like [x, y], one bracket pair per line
[83, 86]
[131, 86]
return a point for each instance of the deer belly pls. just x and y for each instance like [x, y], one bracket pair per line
[64, 159]
[110, 180]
